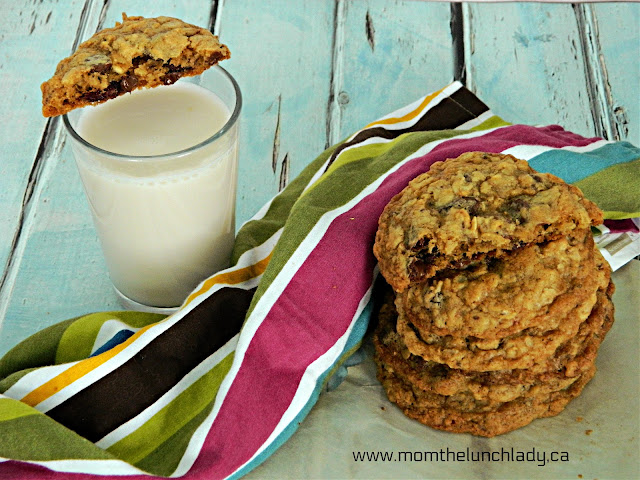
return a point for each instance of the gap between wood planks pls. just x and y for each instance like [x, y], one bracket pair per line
[51, 143]
[609, 121]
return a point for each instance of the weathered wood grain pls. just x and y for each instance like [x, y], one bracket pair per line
[616, 27]
[392, 54]
[525, 61]
[311, 73]
[281, 57]
[34, 36]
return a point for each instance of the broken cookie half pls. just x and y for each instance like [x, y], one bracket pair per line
[138, 52]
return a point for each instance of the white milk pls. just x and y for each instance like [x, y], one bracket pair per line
[165, 223]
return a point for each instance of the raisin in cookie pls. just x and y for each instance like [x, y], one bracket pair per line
[534, 285]
[483, 391]
[505, 418]
[139, 52]
[530, 348]
[475, 205]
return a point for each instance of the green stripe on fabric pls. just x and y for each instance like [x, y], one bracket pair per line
[78, 339]
[166, 457]
[169, 420]
[348, 179]
[358, 153]
[491, 122]
[39, 438]
[10, 409]
[616, 190]
[36, 351]
[256, 232]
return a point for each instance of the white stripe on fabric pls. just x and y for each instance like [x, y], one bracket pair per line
[108, 366]
[256, 254]
[309, 380]
[445, 93]
[483, 117]
[185, 382]
[40, 376]
[317, 232]
[527, 152]
[265, 208]
[35, 379]
[455, 86]
[107, 330]
[316, 176]
[315, 369]
[368, 141]
[248, 258]
[260, 213]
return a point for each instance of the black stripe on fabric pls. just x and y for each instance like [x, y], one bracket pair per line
[451, 112]
[138, 383]
[467, 100]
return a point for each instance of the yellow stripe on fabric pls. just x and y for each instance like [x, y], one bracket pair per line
[410, 115]
[232, 277]
[77, 371]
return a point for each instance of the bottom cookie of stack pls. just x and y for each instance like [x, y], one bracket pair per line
[487, 403]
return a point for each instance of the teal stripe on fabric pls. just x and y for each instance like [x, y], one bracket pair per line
[562, 163]
[353, 342]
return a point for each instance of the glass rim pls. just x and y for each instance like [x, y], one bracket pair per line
[235, 114]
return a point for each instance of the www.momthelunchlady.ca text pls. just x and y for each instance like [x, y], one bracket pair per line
[540, 457]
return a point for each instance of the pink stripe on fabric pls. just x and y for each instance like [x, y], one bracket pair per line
[310, 315]
[622, 226]
[293, 334]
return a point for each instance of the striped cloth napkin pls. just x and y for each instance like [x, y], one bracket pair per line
[214, 389]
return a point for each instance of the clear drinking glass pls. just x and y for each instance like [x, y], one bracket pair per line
[162, 197]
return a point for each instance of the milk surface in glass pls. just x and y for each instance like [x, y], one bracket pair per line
[165, 223]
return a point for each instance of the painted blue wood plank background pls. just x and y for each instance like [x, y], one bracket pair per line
[311, 73]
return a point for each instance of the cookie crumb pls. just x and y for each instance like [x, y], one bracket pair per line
[579, 419]
[588, 432]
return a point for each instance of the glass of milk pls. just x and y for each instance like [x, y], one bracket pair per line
[159, 169]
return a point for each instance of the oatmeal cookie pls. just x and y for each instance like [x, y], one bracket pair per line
[507, 417]
[535, 285]
[466, 208]
[464, 401]
[139, 52]
[474, 390]
[529, 349]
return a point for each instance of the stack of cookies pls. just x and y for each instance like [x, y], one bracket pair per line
[497, 299]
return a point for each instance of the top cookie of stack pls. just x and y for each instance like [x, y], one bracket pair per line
[477, 205]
